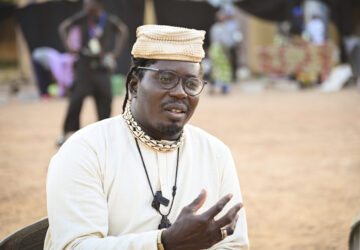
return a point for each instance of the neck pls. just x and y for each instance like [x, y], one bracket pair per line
[156, 135]
[95, 13]
[167, 134]
[151, 139]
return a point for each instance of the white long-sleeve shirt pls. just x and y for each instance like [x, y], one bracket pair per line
[98, 196]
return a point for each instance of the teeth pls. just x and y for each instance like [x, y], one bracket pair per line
[176, 110]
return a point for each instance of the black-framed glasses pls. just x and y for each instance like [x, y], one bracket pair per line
[169, 80]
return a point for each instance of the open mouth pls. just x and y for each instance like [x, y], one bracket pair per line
[176, 111]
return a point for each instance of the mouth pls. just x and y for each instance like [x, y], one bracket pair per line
[175, 114]
[176, 111]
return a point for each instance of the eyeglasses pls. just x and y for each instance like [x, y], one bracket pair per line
[169, 80]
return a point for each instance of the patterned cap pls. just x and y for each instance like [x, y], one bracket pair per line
[169, 43]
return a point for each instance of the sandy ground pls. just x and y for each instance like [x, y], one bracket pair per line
[297, 154]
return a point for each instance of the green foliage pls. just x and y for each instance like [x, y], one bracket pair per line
[117, 84]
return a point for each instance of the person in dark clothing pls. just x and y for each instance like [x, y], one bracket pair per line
[102, 38]
[43, 79]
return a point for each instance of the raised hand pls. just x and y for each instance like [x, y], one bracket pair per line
[191, 231]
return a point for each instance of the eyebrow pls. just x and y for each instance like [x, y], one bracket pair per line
[189, 75]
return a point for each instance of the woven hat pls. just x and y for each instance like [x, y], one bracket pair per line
[169, 43]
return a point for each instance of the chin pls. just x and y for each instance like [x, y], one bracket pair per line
[170, 130]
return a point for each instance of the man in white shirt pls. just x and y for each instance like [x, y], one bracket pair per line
[145, 180]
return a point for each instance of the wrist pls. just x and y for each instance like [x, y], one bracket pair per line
[159, 242]
[165, 239]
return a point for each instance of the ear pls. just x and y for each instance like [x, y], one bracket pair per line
[133, 85]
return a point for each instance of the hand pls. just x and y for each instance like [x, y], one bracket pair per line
[191, 231]
[109, 62]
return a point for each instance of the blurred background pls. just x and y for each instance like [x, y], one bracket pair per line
[283, 94]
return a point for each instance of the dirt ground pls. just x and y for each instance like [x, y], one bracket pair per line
[297, 154]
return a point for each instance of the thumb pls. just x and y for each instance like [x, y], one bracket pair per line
[196, 204]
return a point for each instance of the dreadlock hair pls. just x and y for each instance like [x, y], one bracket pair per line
[135, 63]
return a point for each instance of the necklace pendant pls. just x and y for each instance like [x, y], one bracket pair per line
[164, 223]
[159, 199]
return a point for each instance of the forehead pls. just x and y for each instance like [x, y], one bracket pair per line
[181, 67]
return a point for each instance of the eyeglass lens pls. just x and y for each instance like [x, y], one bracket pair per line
[192, 85]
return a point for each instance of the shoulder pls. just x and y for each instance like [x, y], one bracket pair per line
[97, 135]
[199, 137]
[87, 149]
[89, 146]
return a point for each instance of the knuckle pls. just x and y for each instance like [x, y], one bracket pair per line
[230, 231]
[219, 206]
[203, 220]
[186, 209]
[208, 233]
[230, 216]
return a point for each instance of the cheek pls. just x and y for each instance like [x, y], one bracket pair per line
[150, 97]
[193, 104]
[149, 89]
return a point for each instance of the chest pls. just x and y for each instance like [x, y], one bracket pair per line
[128, 192]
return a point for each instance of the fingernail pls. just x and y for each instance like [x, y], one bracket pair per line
[230, 196]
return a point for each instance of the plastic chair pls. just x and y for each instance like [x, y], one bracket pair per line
[28, 238]
[354, 240]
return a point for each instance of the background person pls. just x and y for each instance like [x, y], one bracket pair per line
[316, 30]
[96, 61]
[224, 38]
[49, 65]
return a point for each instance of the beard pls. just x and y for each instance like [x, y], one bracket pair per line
[169, 130]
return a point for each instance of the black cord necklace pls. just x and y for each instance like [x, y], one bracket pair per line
[158, 198]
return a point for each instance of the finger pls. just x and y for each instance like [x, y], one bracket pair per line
[231, 228]
[196, 204]
[235, 221]
[214, 210]
[229, 216]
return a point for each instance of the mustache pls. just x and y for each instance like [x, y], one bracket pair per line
[176, 102]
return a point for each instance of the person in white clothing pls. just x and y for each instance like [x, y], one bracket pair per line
[316, 30]
[146, 179]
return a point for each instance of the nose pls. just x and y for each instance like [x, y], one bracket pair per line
[178, 91]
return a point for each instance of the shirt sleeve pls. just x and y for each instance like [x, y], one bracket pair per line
[77, 205]
[230, 184]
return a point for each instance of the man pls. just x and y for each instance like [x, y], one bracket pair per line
[96, 60]
[145, 180]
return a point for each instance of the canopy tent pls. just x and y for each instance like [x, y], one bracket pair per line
[200, 14]
[7, 9]
[274, 10]
[191, 14]
[39, 21]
